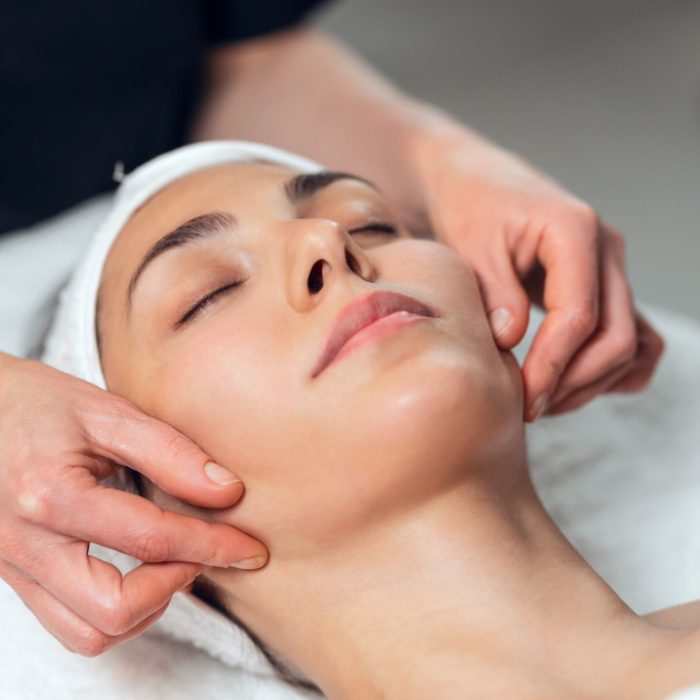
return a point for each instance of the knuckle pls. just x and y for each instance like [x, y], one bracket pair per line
[90, 642]
[151, 547]
[583, 318]
[116, 622]
[177, 444]
[33, 499]
[108, 418]
[586, 216]
[115, 406]
[624, 347]
[115, 614]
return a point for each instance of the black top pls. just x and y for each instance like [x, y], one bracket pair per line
[87, 83]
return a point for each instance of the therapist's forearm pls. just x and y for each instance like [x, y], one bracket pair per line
[305, 91]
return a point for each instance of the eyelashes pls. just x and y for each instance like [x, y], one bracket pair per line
[207, 300]
[375, 227]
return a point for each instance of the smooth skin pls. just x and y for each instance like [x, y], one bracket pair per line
[303, 90]
[409, 553]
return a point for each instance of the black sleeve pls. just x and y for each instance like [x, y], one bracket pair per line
[233, 20]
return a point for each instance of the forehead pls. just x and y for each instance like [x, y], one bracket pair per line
[237, 187]
[233, 186]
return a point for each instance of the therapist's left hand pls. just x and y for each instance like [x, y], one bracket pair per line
[529, 240]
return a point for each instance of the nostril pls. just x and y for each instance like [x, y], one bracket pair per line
[315, 281]
[351, 262]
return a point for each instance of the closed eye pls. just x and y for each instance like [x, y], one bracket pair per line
[206, 301]
[375, 227]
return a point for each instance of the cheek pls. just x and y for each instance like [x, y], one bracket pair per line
[440, 277]
[247, 409]
[462, 392]
[229, 389]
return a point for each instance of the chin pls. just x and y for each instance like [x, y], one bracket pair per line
[441, 411]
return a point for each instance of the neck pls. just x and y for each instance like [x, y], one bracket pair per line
[478, 585]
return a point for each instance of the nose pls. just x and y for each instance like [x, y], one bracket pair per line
[322, 253]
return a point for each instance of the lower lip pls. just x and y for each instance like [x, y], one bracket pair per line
[378, 329]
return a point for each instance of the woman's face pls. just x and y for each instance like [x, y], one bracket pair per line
[391, 421]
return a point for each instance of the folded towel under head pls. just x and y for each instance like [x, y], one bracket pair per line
[71, 346]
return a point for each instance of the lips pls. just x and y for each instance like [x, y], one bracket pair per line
[359, 314]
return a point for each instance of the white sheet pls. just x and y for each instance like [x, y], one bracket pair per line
[621, 477]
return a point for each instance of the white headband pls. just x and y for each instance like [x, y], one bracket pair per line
[71, 346]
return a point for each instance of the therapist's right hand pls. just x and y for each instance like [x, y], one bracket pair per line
[59, 435]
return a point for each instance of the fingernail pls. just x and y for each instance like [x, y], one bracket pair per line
[219, 475]
[249, 563]
[500, 320]
[538, 406]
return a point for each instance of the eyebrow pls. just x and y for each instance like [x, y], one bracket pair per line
[306, 185]
[195, 229]
[297, 189]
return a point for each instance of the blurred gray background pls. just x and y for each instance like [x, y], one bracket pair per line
[604, 95]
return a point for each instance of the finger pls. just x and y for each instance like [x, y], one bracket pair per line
[571, 298]
[97, 592]
[131, 524]
[633, 376]
[126, 435]
[614, 343]
[74, 633]
[649, 352]
[585, 394]
[506, 303]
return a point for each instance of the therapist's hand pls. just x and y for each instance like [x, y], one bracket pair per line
[59, 436]
[504, 217]
[529, 240]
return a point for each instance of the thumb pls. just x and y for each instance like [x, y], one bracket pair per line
[506, 302]
[165, 456]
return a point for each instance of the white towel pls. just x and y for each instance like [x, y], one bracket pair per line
[71, 346]
[687, 694]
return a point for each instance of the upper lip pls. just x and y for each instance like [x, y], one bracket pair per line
[360, 313]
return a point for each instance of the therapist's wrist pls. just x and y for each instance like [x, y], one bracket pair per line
[442, 153]
[429, 138]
